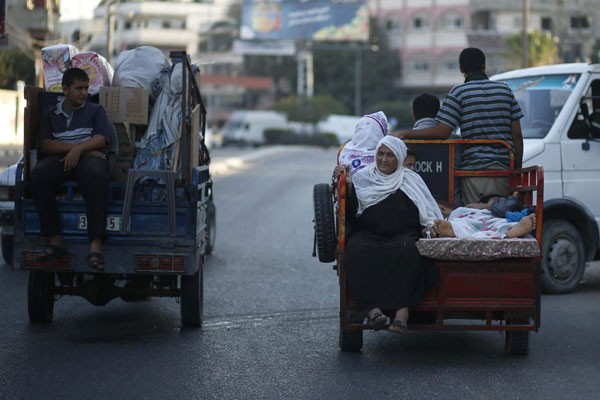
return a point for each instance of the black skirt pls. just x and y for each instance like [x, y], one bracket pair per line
[383, 266]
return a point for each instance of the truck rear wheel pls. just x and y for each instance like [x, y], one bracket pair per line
[516, 343]
[40, 296]
[324, 222]
[350, 341]
[192, 298]
[7, 248]
[563, 257]
[211, 226]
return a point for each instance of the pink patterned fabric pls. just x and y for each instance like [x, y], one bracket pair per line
[477, 249]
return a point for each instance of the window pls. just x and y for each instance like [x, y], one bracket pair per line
[392, 24]
[166, 24]
[546, 23]
[452, 20]
[580, 22]
[420, 64]
[420, 21]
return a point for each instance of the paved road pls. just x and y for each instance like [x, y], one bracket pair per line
[271, 325]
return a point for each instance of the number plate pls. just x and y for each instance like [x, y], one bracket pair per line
[113, 222]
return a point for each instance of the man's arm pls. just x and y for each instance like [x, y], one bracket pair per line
[440, 131]
[518, 141]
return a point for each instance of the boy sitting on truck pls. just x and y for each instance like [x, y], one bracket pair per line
[71, 146]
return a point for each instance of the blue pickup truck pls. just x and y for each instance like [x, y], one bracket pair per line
[158, 223]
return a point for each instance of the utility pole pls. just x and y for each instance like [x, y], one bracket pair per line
[525, 61]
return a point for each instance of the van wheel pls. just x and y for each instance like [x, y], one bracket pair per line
[563, 257]
[40, 296]
[211, 226]
[324, 222]
[192, 298]
[7, 248]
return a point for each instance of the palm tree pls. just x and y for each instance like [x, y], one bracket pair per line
[543, 49]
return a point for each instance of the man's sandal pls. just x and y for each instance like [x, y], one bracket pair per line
[52, 252]
[96, 261]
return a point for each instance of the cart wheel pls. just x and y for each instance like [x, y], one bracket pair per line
[192, 299]
[350, 341]
[211, 227]
[324, 222]
[7, 248]
[40, 296]
[516, 343]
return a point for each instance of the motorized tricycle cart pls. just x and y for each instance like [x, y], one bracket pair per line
[487, 285]
[157, 224]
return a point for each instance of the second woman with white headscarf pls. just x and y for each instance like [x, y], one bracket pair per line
[359, 152]
[388, 206]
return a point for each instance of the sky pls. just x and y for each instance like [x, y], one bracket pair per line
[77, 9]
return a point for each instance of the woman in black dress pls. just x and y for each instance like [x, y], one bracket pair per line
[388, 207]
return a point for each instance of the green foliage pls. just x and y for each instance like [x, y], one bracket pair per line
[401, 110]
[286, 137]
[543, 49]
[334, 70]
[15, 66]
[595, 56]
[309, 109]
[335, 65]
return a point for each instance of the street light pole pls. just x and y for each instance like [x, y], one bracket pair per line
[525, 61]
[357, 80]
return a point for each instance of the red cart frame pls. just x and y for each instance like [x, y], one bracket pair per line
[491, 295]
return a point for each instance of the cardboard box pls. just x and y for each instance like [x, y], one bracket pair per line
[125, 104]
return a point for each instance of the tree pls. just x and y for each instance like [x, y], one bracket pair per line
[15, 66]
[543, 49]
[595, 56]
[309, 109]
[335, 63]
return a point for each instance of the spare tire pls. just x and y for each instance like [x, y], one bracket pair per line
[324, 222]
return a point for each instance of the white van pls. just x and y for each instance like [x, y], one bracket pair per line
[561, 131]
[248, 126]
[342, 125]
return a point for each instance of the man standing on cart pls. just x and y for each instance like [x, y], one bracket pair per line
[71, 145]
[482, 109]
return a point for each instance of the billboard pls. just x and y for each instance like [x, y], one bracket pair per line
[336, 20]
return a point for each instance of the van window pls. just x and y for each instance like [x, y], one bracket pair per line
[541, 98]
[580, 128]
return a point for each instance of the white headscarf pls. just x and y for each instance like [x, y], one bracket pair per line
[360, 151]
[372, 186]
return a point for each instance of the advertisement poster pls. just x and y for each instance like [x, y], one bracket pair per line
[331, 20]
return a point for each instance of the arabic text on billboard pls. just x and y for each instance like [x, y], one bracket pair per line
[337, 20]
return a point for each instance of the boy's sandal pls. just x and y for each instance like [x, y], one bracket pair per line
[96, 261]
[399, 327]
[51, 252]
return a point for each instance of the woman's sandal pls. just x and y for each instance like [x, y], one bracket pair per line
[378, 322]
[52, 252]
[399, 327]
[96, 261]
